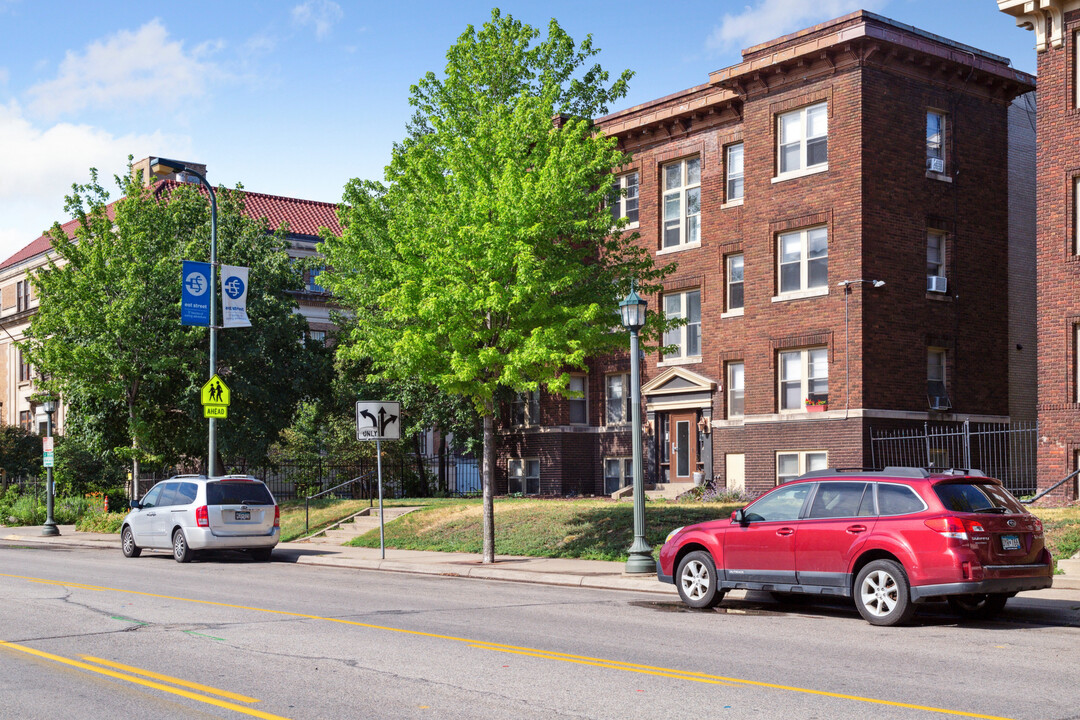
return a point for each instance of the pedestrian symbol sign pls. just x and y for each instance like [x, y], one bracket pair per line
[215, 398]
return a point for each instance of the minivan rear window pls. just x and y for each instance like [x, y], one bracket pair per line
[971, 497]
[237, 493]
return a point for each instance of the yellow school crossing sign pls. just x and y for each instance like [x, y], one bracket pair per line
[215, 398]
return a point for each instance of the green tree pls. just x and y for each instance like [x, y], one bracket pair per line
[108, 335]
[20, 452]
[486, 261]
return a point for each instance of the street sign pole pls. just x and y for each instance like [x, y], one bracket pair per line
[382, 529]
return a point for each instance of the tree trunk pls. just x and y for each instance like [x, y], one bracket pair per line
[134, 454]
[420, 469]
[489, 484]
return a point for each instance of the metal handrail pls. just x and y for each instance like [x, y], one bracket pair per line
[1053, 487]
[309, 498]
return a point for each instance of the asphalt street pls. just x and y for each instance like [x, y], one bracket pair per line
[86, 633]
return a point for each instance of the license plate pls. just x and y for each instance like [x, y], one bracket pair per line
[246, 515]
[1010, 542]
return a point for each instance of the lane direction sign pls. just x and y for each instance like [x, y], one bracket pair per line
[378, 420]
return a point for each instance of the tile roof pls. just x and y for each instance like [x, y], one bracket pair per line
[303, 217]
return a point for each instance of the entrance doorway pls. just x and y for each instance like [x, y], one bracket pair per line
[682, 442]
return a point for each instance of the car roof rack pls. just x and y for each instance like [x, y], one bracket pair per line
[891, 471]
[970, 472]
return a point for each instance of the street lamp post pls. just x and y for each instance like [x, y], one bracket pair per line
[162, 166]
[640, 558]
[846, 284]
[50, 528]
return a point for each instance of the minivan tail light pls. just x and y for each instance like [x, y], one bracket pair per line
[202, 516]
[277, 516]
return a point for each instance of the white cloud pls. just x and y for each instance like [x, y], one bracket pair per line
[320, 14]
[140, 67]
[769, 19]
[39, 165]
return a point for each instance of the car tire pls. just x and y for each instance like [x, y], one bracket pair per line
[261, 554]
[978, 607]
[182, 552]
[127, 543]
[882, 593]
[697, 581]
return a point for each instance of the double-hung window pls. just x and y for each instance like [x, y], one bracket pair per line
[682, 203]
[624, 199]
[804, 259]
[734, 282]
[579, 406]
[686, 338]
[804, 378]
[25, 370]
[804, 139]
[618, 473]
[733, 170]
[525, 408]
[312, 284]
[523, 476]
[735, 394]
[935, 379]
[935, 261]
[935, 141]
[22, 295]
[617, 402]
[790, 465]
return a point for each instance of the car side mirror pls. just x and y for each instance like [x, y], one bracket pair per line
[738, 517]
[134, 505]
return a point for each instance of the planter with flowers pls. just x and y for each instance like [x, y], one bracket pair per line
[816, 405]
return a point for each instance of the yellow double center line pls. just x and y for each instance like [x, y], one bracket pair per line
[531, 652]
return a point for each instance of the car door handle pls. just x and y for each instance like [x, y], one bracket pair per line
[855, 529]
[150, 514]
[785, 531]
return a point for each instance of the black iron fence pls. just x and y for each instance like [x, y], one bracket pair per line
[1004, 451]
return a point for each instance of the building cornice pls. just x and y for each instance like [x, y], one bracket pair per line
[1045, 17]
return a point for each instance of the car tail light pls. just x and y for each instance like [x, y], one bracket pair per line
[277, 516]
[202, 516]
[955, 528]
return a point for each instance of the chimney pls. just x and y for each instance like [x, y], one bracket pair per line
[144, 165]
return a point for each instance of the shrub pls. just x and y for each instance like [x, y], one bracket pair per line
[709, 493]
[100, 522]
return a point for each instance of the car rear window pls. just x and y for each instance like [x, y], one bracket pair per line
[972, 497]
[237, 493]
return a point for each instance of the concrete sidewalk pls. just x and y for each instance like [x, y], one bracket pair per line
[550, 571]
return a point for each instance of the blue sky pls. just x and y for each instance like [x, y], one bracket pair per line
[295, 98]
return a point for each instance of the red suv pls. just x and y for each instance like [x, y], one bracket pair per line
[889, 539]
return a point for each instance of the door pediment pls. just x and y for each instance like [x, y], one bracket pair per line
[678, 387]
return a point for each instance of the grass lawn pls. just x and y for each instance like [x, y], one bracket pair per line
[1062, 526]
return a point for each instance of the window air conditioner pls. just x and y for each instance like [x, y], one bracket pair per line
[936, 165]
[936, 283]
[940, 402]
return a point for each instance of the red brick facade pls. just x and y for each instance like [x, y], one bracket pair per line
[875, 200]
[1056, 24]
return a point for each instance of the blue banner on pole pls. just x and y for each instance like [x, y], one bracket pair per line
[195, 302]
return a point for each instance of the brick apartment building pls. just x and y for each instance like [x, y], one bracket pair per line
[1056, 24]
[18, 303]
[856, 150]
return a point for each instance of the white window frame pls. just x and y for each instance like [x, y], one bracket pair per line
[627, 200]
[681, 336]
[736, 389]
[529, 404]
[681, 197]
[1076, 215]
[22, 295]
[1076, 363]
[518, 473]
[935, 266]
[808, 460]
[936, 363]
[734, 173]
[811, 361]
[625, 402]
[935, 142]
[730, 309]
[801, 141]
[318, 336]
[626, 470]
[803, 260]
[582, 402]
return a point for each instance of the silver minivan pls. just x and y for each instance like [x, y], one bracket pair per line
[189, 513]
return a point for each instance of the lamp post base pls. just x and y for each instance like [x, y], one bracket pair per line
[50, 528]
[640, 563]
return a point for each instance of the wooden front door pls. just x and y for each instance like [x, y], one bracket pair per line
[684, 445]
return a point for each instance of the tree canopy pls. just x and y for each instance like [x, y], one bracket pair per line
[485, 261]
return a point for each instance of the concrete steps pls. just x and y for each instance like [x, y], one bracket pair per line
[653, 491]
[358, 524]
[1070, 567]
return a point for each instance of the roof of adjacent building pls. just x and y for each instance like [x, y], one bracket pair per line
[302, 218]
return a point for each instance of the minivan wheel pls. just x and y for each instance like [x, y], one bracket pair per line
[127, 544]
[696, 579]
[881, 593]
[978, 607]
[182, 553]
